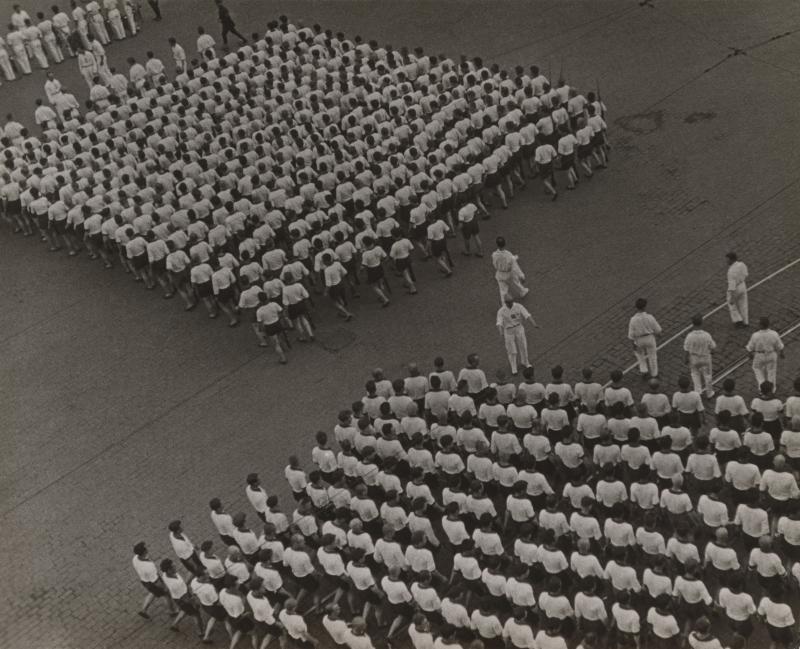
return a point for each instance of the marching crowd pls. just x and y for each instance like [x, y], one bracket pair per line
[456, 513]
[304, 162]
[84, 33]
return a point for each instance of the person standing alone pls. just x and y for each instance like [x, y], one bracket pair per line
[764, 347]
[508, 274]
[511, 318]
[642, 331]
[698, 346]
[737, 291]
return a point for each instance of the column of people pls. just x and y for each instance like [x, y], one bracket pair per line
[303, 158]
[84, 33]
[466, 514]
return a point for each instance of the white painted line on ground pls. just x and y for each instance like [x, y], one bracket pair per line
[719, 307]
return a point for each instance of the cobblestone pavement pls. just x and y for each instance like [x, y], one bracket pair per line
[121, 412]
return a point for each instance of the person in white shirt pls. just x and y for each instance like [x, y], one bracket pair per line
[269, 319]
[736, 293]
[179, 593]
[148, 575]
[336, 627]
[643, 329]
[590, 610]
[511, 318]
[178, 55]
[662, 623]
[778, 615]
[420, 633]
[699, 346]
[184, 548]
[508, 274]
[294, 624]
[764, 348]
[738, 606]
[625, 619]
[517, 631]
[205, 45]
[545, 156]
[266, 626]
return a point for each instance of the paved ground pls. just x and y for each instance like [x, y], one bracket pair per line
[121, 412]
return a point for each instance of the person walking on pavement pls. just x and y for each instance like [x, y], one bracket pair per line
[511, 318]
[642, 331]
[699, 346]
[508, 274]
[154, 5]
[737, 291]
[228, 26]
[764, 347]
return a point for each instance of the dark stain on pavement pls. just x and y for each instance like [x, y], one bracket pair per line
[642, 123]
[699, 116]
[335, 339]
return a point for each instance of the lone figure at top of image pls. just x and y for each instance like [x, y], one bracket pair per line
[228, 26]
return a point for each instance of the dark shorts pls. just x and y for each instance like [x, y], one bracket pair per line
[470, 229]
[307, 583]
[262, 629]
[14, 208]
[545, 170]
[95, 240]
[296, 310]
[780, 634]
[742, 627]
[598, 140]
[693, 611]
[180, 278]
[419, 232]
[42, 221]
[140, 261]
[225, 294]
[159, 266]
[273, 328]
[374, 274]
[335, 581]
[187, 606]
[205, 289]
[403, 609]
[243, 623]
[493, 180]
[689, 419]
[216, 611]
[439, 247]
[403, 264]
[567, 162]
[336, 292]
[584, 151]
[368, 595]
[155, 588]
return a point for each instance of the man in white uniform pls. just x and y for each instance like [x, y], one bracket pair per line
[698, 346]
[737, 291]
[764, 347]
[16, 43]
[642, 331]
[510, 323]
[508, 274]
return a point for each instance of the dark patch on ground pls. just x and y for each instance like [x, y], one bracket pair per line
[335, 339]
[642, 123]
[699, 116]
